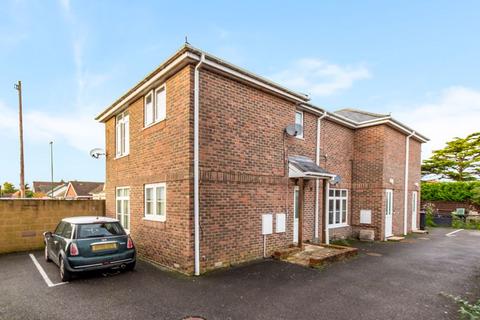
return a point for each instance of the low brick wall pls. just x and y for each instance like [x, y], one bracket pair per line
[22, 222]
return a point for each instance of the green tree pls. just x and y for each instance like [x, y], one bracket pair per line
[8, 188]
[459, 160]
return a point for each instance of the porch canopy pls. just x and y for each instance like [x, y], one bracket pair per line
[304, 167]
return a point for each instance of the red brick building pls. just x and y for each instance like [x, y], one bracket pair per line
[210, 165]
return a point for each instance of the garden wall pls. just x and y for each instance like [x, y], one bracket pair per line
[22, 221]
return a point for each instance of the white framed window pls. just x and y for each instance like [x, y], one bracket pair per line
[156, 201]
[123, 206]
[337, 207]
[299, 123]
[122, 134]
[155, 105]
[160, 103]
[148, 109]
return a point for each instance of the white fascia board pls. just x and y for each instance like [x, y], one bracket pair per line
[398, 126]
[110, 111]
[253, 81]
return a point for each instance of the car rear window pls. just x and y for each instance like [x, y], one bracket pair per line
[101, 229]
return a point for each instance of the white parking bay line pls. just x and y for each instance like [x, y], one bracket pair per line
[450, 234]
[43, 274]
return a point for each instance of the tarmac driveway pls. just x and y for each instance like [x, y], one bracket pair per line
[386, 281]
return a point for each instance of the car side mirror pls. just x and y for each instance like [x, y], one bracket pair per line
[47, 234]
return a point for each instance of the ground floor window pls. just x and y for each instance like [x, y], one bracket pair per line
[123, 206]
[337, 207]
[156, 201]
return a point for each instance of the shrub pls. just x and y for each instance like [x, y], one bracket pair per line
[467, 310]
[429, 208]
[451, 191]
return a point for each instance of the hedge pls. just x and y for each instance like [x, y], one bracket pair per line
[450, 191]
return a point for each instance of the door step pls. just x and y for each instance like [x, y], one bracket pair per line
[420, 231]
[395, 238]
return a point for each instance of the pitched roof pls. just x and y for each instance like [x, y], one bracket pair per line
[84, 188]
[45, 186]
[189, 54]
[98, 189]
[360, 115]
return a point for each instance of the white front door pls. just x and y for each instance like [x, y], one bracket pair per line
[296, 191]
[389, 213]
[414, 210]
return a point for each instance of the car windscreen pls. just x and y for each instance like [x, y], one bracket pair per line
[97, 230]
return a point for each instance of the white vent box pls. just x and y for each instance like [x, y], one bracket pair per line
[366, 216]
[280, 222]
[267, 224]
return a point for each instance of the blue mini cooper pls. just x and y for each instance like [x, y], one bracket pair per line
[89, 243]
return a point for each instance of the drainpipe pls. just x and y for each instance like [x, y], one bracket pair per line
[327, 208]
[317, 182]
[196, 166]
[405, 199]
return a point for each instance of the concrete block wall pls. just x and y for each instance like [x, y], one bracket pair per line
[22, 222]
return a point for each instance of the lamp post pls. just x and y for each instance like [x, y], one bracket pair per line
[51, 167]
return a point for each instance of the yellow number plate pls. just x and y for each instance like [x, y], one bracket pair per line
[104, 246]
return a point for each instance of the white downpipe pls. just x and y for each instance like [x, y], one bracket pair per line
[405, 199]
[196, 165]
[327, 208]
[317, 181]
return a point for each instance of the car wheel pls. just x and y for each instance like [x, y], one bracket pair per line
[130, 266]
[64, 273]
[46, 256]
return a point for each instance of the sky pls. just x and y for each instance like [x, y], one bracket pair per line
[417, 60]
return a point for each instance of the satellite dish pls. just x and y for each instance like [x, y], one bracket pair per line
[335, 180]
[97, 152]
[291, 130]
[298, 129]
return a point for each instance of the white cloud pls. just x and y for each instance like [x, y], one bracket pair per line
[455, 112]
[320, 78]
[78, 130]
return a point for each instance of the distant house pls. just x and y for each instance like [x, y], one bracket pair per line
[99, 192]
[44, 188]
[83, 190]
[59, 191]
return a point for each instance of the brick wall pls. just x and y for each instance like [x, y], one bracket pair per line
[162, 152]
[337, 152]
[241, 135]
[22, 222]
[367, 186]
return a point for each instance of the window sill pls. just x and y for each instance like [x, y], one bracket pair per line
[153, 123]
[300, 138]
[154, 219]
[335, 226]
[122, 156]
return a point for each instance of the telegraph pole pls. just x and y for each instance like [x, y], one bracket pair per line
[18, 87]
[51, 167]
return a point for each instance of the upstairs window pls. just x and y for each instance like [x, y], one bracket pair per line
[160, 104]
[148, 109]
[337, 207]
[122, 134]
[299, 123]
[155, 108]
